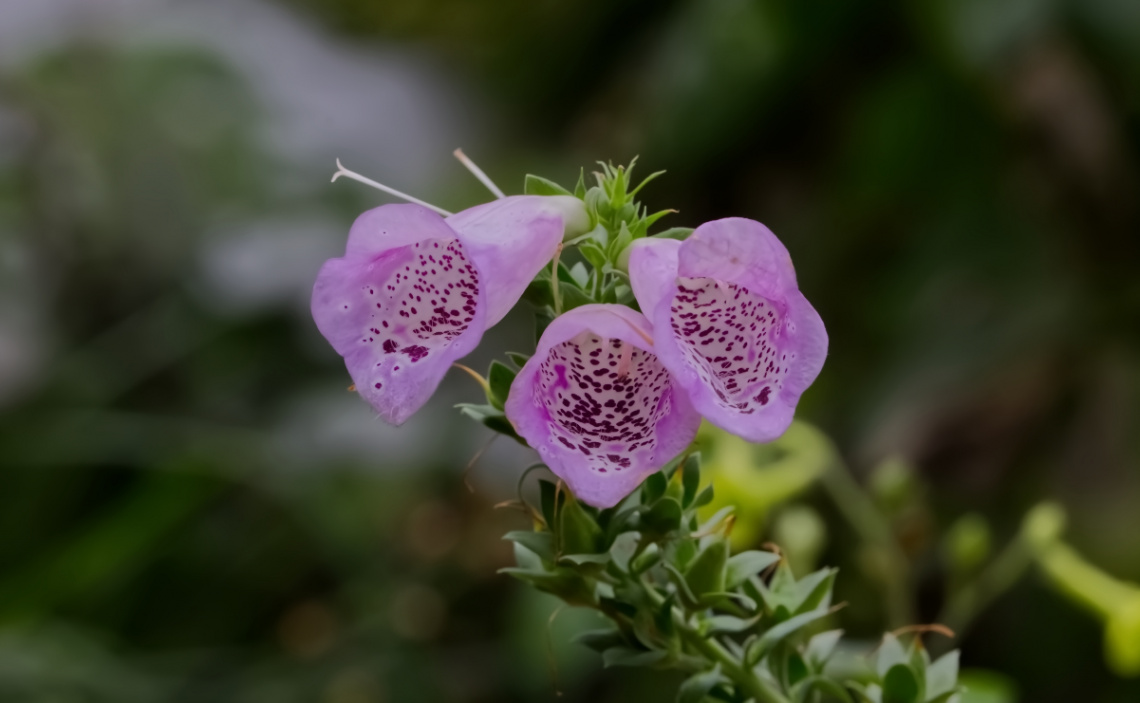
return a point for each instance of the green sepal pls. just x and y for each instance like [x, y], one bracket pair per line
[578, 533]
[704, 497]
[653, 488]
[537, 185]
[518, 359]
[499, 380]
[697, 686]
[690, 479]
[580, 188]
[707, 572]
[662, 518]
[901, 686]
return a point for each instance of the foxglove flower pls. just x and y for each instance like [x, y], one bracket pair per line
[730, 323]
[598, 405]
[414, 291]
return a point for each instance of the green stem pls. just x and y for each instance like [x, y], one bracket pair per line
[874, 529]
[747, 681]
[744, 679]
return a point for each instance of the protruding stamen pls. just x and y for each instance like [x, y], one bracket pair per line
[342, 171]
[478, 173]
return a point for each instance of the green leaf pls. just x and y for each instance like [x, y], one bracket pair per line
[891, 654]
[662, 518]
[697, 686]
[654, 487]
[745, 564]
[704, 497]
[814, 590]
[541, 543]
[900, 685]
[648, 558]
[600, 640]
[490, 417]
[581, 559]
[580, 189]
[578, 533]
[625, 656]
[707, 572]
[537, 185]
[518, 359]
[779, 632]
[824, 684]
[623, 548]
[820, 647]
[729, 623]
[499, 379]
[691, 479]
[942, 675]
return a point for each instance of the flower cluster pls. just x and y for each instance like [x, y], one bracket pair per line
[644, 337]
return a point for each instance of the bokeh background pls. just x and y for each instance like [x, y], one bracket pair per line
[193, 508]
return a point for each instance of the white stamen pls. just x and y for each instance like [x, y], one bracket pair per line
[478, 173]
[625, 359]
[342, 171]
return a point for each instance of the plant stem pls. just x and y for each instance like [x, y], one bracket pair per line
[874, 529]
[742, 677]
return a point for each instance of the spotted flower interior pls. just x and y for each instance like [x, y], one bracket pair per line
[731, 337]
[605, 398]
[424, 296]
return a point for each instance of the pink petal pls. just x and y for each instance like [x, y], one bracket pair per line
[511, 239]
[734, 330]
[402, 304]
[598, 405]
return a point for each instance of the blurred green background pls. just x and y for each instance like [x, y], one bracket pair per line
[192, 508]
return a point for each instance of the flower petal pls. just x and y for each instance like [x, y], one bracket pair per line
[598, 405]
[511, 239]
[735, 331]
[653, 271]
[402, 304]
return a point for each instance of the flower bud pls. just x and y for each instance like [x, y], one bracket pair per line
[575, 219]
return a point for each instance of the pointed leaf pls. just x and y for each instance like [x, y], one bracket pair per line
[697, 686]
[745, 564]
[600, 640]
[691, 479]
[537, 185]
[624, 656]
[541, 543]
[499, 379]
[820, 647]
[900, 685]
[942, 675]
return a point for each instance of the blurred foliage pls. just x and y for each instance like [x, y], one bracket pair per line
[956, 180]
